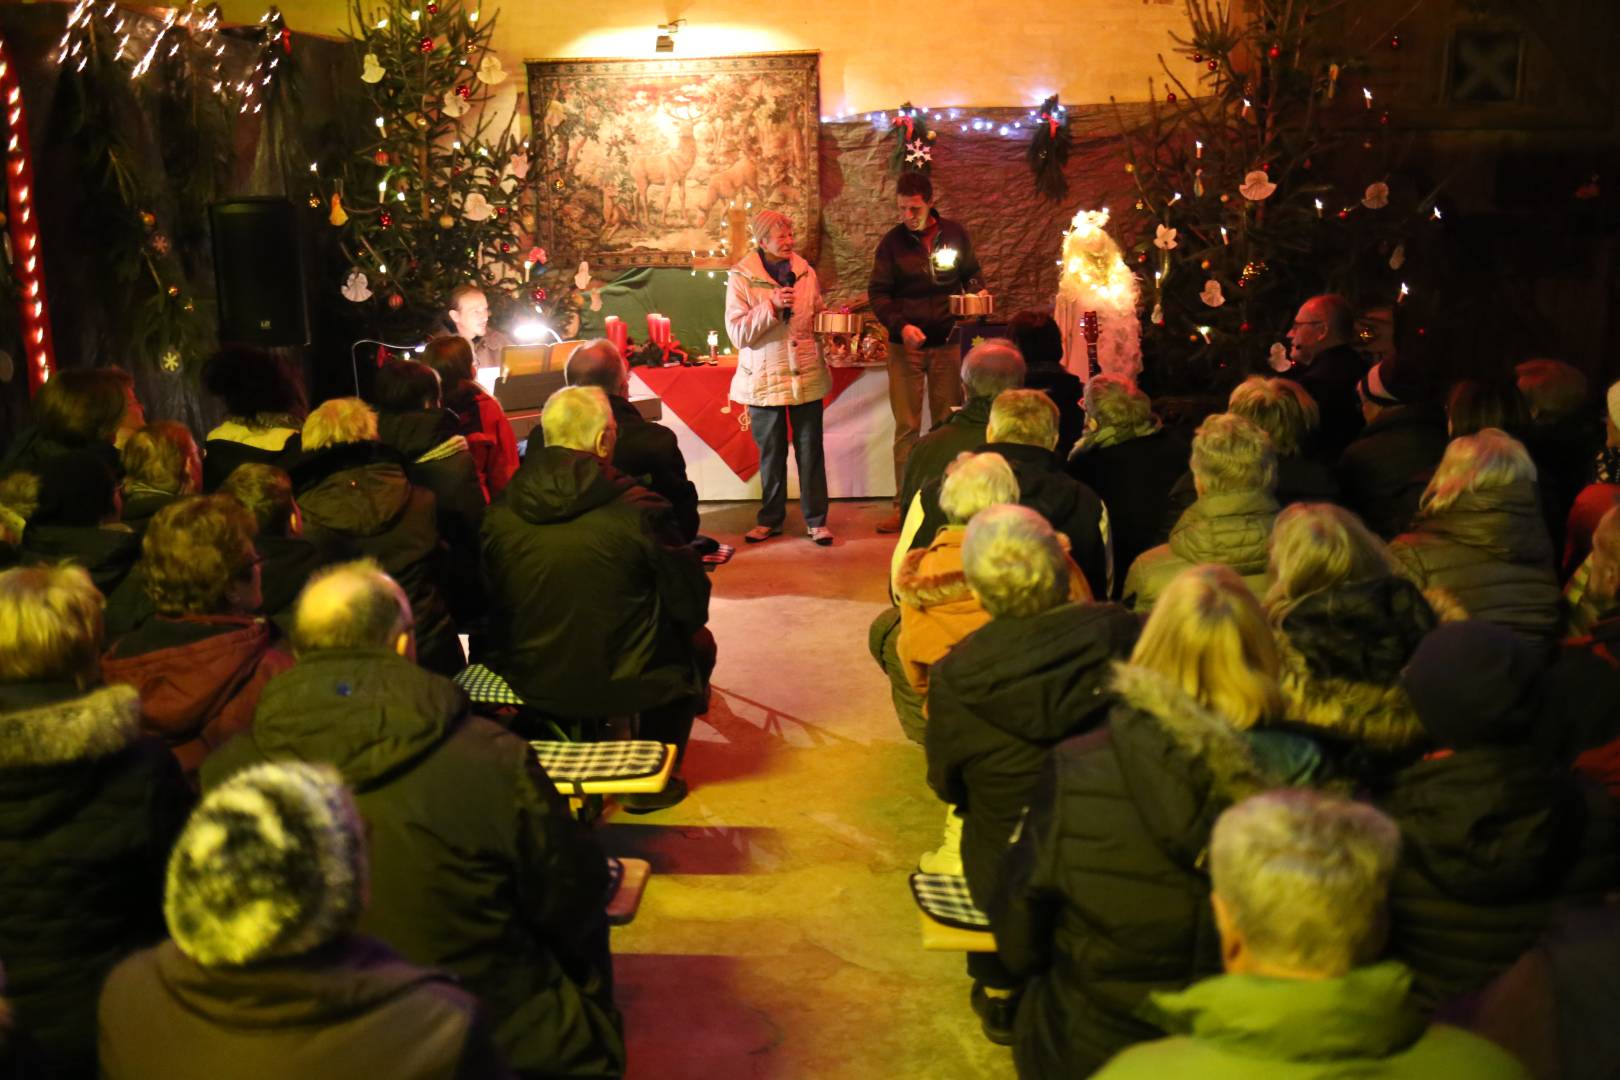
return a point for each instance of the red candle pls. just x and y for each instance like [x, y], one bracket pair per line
[618, 333]
[654, 330]
[664, 336]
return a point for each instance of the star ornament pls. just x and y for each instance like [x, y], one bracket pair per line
[1376, 197]
[918, 153]
[1164, 238]
[1257, 186]
[170, 360]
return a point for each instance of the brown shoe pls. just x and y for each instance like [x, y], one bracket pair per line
[889, 524]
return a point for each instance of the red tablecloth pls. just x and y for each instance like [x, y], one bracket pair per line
[700, 396]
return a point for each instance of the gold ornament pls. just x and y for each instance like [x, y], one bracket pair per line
[446, 221]
[337, 217]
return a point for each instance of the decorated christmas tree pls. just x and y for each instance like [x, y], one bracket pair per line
[1265, 174]
[438, 198]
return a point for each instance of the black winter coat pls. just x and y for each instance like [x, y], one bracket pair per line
[1382, 473]
[1490, 551]
[1103, 897]
[651, 454]
[1299, 480]
[437, 459]
[1133, 479]
[961, 432]
[1331, 380]
[1492, 838]
[1069, 506]
[997, 704]
[108, 554]
[906, 287]
[334, 1014]
[358, 500]
[476, 864]
[222, 456]
[1065, 389]
[88, 812]
[595, 597]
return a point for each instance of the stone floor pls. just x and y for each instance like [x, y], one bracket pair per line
[777, 937]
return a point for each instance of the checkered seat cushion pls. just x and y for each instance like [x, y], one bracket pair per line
[484, 687]
[579, 763]
[945, 898]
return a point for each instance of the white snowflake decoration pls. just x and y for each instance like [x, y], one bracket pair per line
[1212, 295]
[356, 289]
[1257, 186]
[454, 104]
[476, 208]
[370, 70]
[1376, 196]
[170, 360]
[490, 71]
[1164, 238]
[918, 153]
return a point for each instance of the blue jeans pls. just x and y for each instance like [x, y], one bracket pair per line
[769, 424]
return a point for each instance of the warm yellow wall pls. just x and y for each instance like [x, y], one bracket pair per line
[957, 52]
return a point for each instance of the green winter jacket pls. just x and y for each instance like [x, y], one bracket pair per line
[1233, 530]
[1256, 1028]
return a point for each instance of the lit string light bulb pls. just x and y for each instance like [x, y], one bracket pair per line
[21, 232]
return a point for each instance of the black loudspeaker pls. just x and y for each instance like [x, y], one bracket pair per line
[259, 271]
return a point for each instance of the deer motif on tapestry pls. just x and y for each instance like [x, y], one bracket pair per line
[667, 170]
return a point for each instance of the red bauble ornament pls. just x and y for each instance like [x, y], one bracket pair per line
[1383, 118]
[1198, 58]
[395, 301]
[539, 294]
[433, 9]
[1214, 65]
[505, 247]
[1142, 258]
[1344, 215]
[1244, 328]
[427, 45]
[1171, 98]
[1394, 41]
[500, 211]
[1274, 52]
[380, 157]
[464, 91]
[385, 219]
[1306, 164]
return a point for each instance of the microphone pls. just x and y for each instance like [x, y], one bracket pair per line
[787, 312]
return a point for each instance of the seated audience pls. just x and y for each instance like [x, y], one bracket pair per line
[264, 412]
[286, 559]
[477, 866]
[1327, 365]
[1476, 404]
[202, 660]
[479, 417]
[1298, 882]
[19, 498]
[998, 702]
[356, 499]
[646, 451]
[988, 368]
[1562, 437]
[264, 973]
[76, 520]
[1102, 898]
[1130, 460]
[1023, 430]
[1284, 411]
[88, 809]
[1586, 684]
[1495, 829]
[1040, 342]
[1234, 471]
[161, 463]
[1346, 623]
[1593, 501]
[935, 608]
[78, 410]
[1480, 537]
[1383, 471]
[599, 607]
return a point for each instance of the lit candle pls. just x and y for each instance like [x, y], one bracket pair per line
[618, 333]
[1198, 149]
[654, 330]
[1319, 208]
[1401, 299]
[1366, 96]
[1225, 240]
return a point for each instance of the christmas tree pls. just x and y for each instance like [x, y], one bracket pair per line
[435, 198]
[1265, 174]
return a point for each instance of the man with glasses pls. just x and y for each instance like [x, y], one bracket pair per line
[1326, 365]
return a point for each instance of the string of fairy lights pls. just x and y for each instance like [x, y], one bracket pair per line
[21, 238]
[965, 122]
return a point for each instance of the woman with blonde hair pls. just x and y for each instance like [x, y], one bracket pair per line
[1481, 538]
[771, 302]
[161, 463]
[1103, 897]
[1346, 623]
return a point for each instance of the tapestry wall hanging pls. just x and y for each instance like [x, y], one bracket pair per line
[655, 162]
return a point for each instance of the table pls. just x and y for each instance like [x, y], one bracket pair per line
[721, 459]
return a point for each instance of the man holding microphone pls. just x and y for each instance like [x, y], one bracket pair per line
[919, 264]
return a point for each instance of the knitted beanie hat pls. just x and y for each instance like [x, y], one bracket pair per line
[764, 221]
[1474, 684]
[271, 865]
[76, 488]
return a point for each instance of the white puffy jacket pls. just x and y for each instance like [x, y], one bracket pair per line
[777, 363]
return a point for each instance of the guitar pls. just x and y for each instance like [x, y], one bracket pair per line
[1088, 327]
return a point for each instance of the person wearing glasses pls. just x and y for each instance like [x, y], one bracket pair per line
[1327, 365]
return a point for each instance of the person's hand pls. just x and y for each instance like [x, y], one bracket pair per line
[985, 293]
[782, 297]
[912, 337]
